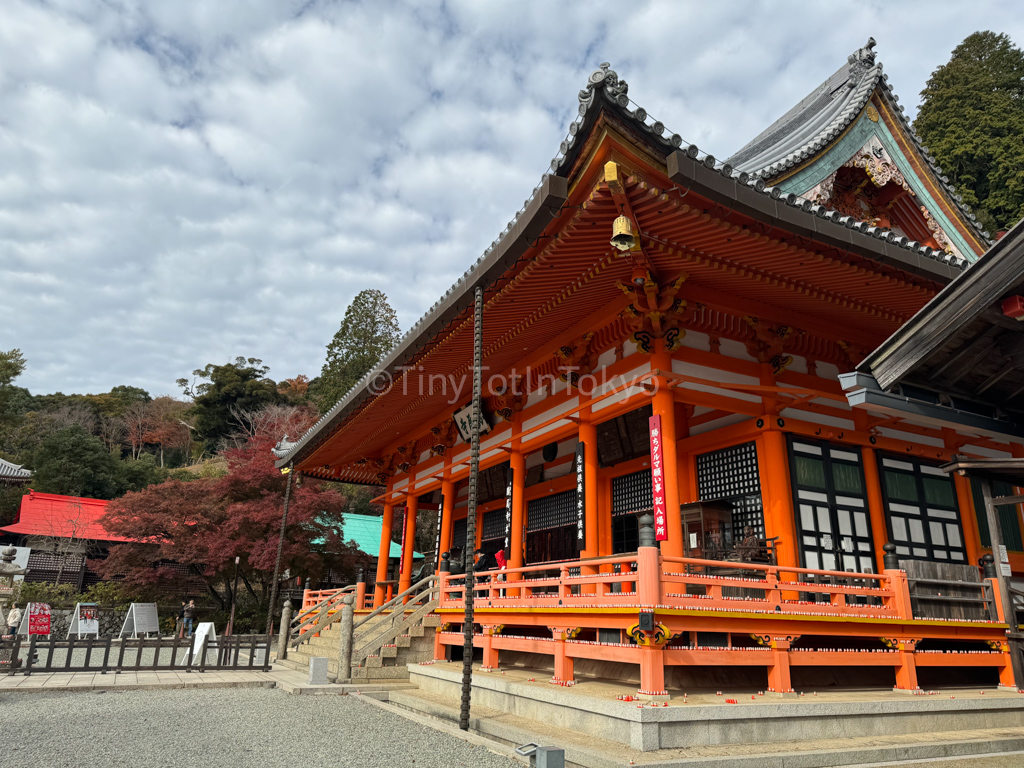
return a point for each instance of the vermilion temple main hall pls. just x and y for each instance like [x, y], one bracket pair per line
[728, 366]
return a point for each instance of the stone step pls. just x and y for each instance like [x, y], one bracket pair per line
[380, 673]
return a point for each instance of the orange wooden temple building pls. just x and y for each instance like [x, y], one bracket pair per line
[749, 286]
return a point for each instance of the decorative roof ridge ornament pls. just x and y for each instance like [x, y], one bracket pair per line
[615, 89]
[861, 61]
[283, 447]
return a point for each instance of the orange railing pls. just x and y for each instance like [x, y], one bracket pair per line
[650, 580]
[316, 601]
[773, 606]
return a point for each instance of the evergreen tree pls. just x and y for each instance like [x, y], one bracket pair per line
[12, 364]
[972, 121]
[71, 462]
[368, 332]
[229, 389]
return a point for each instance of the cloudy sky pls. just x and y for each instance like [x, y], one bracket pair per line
[185, 182]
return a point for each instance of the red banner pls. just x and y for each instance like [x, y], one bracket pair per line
[658, 480]
[38, 619]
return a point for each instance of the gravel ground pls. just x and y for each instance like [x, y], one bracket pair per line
[220, 728]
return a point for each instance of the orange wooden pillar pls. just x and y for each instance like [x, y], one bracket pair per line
[408, 542]
[360, 603]
[968, 518]
[490, 655]
[777, 495]
[564, 668]
[447, 510]
[385, 553]
[652, 671]
[663, 405]
[906, 670]
[876, 504]
[779, 681]
[965, 499]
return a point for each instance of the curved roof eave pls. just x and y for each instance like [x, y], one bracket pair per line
[604, 90]
[814, 130]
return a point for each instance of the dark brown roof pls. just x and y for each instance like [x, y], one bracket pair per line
[961, 343]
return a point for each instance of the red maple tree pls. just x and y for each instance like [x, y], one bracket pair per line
[204, 524]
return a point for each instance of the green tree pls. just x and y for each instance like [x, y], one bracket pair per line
[368, 332]
[972, 121]
[12, 364]
[72, 462]
[227, 389]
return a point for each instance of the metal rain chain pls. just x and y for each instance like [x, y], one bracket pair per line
[474, 472]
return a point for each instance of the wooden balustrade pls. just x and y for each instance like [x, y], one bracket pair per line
[850, 619]
[649, 580]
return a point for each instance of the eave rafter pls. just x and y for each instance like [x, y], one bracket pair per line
[568, 277]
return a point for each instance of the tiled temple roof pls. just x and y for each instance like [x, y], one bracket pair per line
[823, 115]
[9, 471]
[604, 91]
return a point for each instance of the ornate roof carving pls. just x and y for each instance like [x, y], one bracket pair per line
[823, 115]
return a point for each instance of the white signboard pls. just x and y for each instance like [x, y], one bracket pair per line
[205, 631]
[1004, 561]
[142, 619]
[464, 421]
[85, 620]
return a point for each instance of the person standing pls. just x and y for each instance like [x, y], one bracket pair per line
[189, 614]
[13, 619]
[179, 627]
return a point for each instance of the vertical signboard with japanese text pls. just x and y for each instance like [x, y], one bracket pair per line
[508, 509]
[658, 480]
[581, 511]
[437, 537]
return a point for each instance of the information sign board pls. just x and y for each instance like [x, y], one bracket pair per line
[85, 620]
[35, 620]
[205, 631]
[142, 619]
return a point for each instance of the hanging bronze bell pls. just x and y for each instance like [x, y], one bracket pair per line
[622, 233]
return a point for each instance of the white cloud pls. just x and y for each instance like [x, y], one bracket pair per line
[181, 183]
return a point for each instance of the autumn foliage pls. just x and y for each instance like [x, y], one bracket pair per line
[204, 524]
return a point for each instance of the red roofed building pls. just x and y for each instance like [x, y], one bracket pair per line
[66, 517]
[62, 533]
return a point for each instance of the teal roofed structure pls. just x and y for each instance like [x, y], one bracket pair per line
[365, 531]
[849, 147]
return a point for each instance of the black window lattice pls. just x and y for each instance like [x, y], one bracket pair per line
[493, 525]
[731, 474]
[459, 533]
[552, 511]
[632, 493]
[624, 437]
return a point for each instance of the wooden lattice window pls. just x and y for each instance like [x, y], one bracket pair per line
[731, 475]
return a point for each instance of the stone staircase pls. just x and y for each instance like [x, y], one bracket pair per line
[383, 646]
[389, 663]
